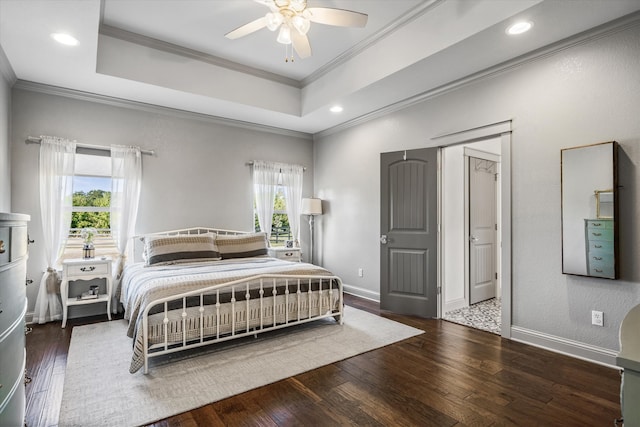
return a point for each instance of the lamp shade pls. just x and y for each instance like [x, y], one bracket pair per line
[311, 207]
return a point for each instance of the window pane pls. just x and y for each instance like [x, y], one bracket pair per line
[98, 220]
[91, 191]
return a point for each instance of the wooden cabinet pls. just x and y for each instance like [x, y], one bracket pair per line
[287, 254]
[84, 270]
[13, 307]
[599, 244]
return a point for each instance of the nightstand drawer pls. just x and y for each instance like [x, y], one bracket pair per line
[287, 254]
[87, 269]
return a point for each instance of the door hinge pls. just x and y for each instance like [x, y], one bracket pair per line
[496, 227]
[495, 177]
[496, 276]
[439, 290]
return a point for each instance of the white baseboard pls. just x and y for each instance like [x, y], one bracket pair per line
[590, 353]
[454, 305]
[361, 292]
[28, 318]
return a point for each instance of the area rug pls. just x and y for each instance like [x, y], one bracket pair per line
[484, 315]
[100, 391]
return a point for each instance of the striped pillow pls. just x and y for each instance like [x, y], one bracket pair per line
[242, 245]
[164, 250]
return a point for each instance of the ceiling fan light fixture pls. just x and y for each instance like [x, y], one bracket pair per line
[301, 24]
[284, 36]
[273, 20]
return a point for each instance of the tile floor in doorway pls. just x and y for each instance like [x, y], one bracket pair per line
[484, 315]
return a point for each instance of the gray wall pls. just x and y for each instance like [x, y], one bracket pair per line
[198, 177]
[585, 94]
[5, 148]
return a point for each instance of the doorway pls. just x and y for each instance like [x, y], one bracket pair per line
[472, 234]
[452, 266]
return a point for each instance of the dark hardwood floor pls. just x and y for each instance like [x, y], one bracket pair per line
[449, 376]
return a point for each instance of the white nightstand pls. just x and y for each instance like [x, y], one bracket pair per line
[85, 269]
[287, 254]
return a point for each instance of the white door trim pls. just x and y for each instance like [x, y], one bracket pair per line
[502, 130]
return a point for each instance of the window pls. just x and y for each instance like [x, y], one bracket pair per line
[91, 205]
[280, 229]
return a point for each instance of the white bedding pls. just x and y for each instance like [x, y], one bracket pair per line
[141, 285]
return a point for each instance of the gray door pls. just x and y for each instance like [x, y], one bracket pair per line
[482, 230]
[408, 232]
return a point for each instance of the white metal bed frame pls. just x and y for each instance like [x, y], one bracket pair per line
[264, 284]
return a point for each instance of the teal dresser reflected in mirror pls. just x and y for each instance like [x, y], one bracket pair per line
[599, 244]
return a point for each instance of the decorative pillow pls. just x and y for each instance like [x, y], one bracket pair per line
[242, 245]
[163, 250]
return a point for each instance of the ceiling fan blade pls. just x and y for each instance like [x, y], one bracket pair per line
[247, 28]
[337, 17]
[301, 44]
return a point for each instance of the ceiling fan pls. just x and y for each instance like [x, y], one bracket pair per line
[294, 19]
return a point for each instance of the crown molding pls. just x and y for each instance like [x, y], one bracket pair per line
[156, 109]
[118, 33]
[585, 37]
[6, 70]
[348, 55]
[345, 57]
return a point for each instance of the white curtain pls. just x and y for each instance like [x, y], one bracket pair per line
[57, 158]
[265, 182]
[126, 176]
[292, 182]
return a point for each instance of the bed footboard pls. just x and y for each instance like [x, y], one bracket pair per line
[233, 310]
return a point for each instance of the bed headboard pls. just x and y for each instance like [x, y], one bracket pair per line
[137, 242]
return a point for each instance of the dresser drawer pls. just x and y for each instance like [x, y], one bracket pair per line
[12, 293]
[87, 269]
[14, 407]
[5, 245]
[601, 247]
[601, 271]
[11, 358]
[19, 238]
[605, 234]
[600, 260]
[600, 224]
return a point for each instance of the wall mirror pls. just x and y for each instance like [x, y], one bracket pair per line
[589, 210]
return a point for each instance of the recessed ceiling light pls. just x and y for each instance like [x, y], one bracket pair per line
[65, 39]
[519, 28]
[336, 109]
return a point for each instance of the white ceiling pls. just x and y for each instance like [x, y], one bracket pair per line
[173, 53]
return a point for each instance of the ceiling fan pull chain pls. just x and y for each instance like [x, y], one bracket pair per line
[286, 52]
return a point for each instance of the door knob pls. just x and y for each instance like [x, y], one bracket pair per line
[473, 239]
[383, 239]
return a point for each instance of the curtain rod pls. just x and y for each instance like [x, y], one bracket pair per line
[34, 140]
[251, 162]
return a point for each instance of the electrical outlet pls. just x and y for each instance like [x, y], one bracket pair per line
[597, 318]
[360, 272]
